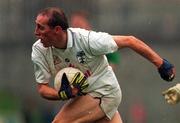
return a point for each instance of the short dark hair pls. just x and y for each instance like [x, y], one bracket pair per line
[56, 17]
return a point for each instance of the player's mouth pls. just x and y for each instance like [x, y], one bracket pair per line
[38, 37]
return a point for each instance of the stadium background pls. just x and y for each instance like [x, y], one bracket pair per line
[154, 21]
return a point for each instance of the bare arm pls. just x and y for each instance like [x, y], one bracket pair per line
[140, 47]
[47, 92]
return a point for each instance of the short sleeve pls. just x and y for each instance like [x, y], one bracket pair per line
[42, 73]
[101, 43]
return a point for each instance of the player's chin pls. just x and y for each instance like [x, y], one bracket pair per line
[38, 37]
[45, 44]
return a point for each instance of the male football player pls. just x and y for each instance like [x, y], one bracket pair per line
[97, 96]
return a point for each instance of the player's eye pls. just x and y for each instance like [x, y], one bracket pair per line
[40, 27]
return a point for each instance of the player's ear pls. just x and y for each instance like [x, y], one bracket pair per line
[58, 29]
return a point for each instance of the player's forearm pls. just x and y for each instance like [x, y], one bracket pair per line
[47, 92]
[144, 50]
[140, 47]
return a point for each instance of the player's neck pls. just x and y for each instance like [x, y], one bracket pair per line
[62, 41]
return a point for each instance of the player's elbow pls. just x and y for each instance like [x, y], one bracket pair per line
[132, 42]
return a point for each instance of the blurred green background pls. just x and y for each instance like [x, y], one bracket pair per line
[156, 22]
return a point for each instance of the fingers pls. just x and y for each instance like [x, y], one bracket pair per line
[171, 96]
[85, 85]
[165, 92]
[64, 78]
[171, 99]
[171, 75]
[73, 88]
[64, 82]
[79, 81]
[76, 78]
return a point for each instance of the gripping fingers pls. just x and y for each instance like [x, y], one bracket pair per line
[77, 78]
[85, 85]
[171, 99]
[171, 96]
[79, 81]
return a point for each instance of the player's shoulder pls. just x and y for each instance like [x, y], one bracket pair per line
[84, 32]
[79, 32]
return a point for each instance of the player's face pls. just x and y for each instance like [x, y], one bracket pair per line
[44, 32]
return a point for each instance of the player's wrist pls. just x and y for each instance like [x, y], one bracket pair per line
[166, 70]
[65, 95]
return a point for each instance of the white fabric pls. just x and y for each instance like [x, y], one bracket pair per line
[86, 51]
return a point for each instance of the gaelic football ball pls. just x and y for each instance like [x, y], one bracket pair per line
[70, 72]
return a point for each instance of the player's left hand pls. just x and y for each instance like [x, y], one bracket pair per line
[167, 70]
[79, 82]
[172, 95]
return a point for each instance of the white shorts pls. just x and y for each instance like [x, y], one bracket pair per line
[110, 102]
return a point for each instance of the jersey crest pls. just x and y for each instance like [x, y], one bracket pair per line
[81, 57]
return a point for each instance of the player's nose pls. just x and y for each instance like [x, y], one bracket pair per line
[36, 31]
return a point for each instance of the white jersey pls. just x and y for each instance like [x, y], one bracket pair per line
[85, 50]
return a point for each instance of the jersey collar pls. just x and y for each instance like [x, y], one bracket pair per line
[69, 38]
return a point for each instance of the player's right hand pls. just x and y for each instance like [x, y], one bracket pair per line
[74, 88]
[65, 91]
[172, 95]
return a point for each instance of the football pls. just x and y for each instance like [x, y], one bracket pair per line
[70, 72]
